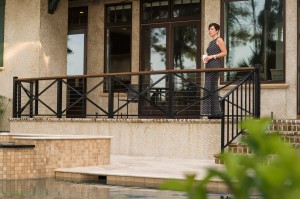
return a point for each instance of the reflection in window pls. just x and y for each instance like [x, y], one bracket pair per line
[118, 14]
[78, 17]
[75, 59]
[185, 8]
[155, 51]
[185, 48]
[154, 10]
[254, 34]
[118, 50]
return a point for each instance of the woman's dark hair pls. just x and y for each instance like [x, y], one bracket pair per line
[217, 26]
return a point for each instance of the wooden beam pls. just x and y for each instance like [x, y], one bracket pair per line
[52, 5]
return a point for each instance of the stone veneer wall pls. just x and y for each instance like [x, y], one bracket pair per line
[173, 138]
[18, 163]
[51, 153]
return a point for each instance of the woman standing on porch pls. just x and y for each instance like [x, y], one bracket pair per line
[215, 50]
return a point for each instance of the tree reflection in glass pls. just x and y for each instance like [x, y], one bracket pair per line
[254, 35]
[155, 52]
[185, 49]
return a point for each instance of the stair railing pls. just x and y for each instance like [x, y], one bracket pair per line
[240, 103]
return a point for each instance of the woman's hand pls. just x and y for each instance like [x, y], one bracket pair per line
[207, 58]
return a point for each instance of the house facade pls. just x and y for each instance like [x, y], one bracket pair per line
[40, 38]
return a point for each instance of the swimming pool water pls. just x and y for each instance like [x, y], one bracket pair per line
[50, 188]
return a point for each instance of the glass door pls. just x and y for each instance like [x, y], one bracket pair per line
[154, 58]
[76, 66]
[170, 46]
[185, 56]
[184, 52]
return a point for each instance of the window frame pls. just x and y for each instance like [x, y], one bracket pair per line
[222, 17]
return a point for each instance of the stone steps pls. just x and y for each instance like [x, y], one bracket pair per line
[289, 131]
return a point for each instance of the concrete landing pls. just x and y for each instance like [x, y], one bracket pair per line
[147, 172]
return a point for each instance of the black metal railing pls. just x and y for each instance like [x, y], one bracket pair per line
[240, 103]
[153, 94]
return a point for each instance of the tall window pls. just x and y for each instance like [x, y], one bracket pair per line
[254, 34]
[2, 11]
[76, 64]
[118, 38]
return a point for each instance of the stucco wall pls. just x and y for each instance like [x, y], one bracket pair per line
[290, 62]
[53, 40]
[191, 139]
[21, 45]
[34, 44]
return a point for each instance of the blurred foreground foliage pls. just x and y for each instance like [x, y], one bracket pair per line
[2, 104]
[272, 172]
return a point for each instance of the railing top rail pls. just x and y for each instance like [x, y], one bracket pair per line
[139, 73]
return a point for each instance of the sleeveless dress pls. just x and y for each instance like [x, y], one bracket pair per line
[211, 104]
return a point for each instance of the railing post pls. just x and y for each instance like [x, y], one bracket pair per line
[15, 94]
[171, 95]
[257, 91]
[140, 88]
[59, 98]
[110, 97]
[222, 125]
[31, 100]
[36, 101]
[212, 93]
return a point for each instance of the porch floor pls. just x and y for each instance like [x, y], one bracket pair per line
[143, 171]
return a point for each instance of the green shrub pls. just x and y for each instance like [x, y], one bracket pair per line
[273, 171]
